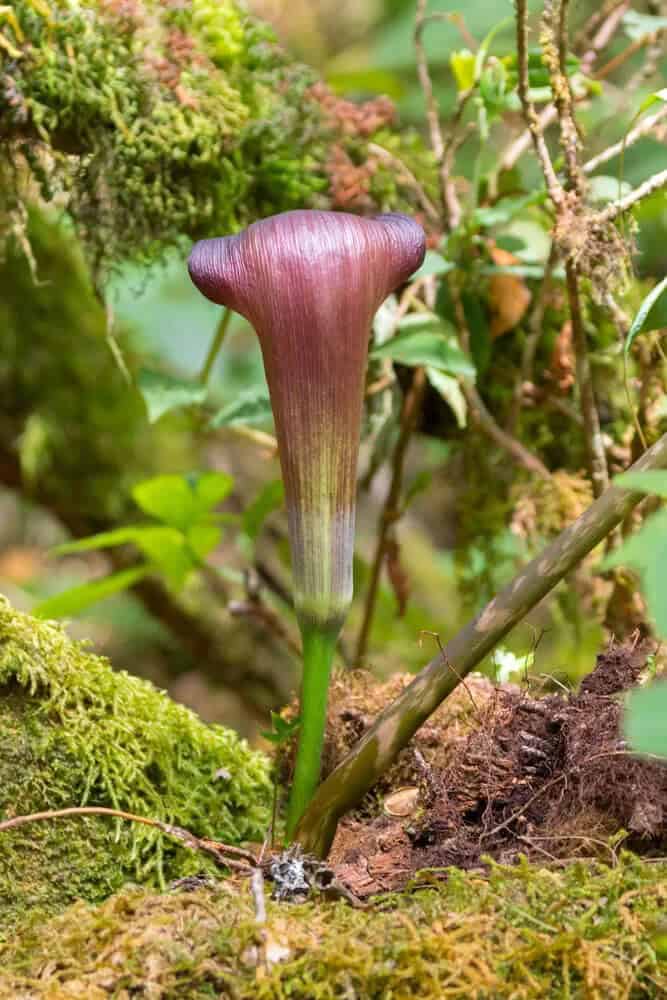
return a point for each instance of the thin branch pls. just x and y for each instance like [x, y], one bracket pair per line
[391, 509]
[597, 459]
[225, 854]
[477, 408]
[644, 128]
[448, 195]
[622, 57]
[395, 726]
[554, 53]
[530, 115]
[405, 175]
[483, 418]
[645, 190]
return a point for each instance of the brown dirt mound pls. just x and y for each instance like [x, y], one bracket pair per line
[498, 772]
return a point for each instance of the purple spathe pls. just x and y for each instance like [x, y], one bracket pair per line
[310, 283]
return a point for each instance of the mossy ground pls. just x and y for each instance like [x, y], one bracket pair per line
[74, 732]
[584, 931]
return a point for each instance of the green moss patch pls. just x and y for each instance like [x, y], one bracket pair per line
[74, 732]
[579, 932]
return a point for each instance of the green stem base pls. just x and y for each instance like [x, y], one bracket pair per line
[319, 645]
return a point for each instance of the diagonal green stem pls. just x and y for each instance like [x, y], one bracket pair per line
[319, 644]
[214, 349]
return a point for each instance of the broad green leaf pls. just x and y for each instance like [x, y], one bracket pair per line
[603, 188]
[168, 498]
[426, 340]
[211, 488]
[168, 549]
[269, 498]
[645, 722]
[163, 393]
[655, 98]
[450, 390]
[649, 316]
[434, 263]
[203, 538]
[651, 481]
[639, 25]
[505, 209]
[646, 551]
[76, 599]
[105, 540]
[249, 408]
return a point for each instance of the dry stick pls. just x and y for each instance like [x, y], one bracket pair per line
[477, 408]
[238, 859]
[390, 511]
[483, 418]
[450, 201]
[555, 53]
[645, 190]
[548, 115]
[395, 726]
[597, 459]
[554, 188]
[627, 53]
[644, 128]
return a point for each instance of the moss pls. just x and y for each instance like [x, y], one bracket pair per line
[581, 932]
[68, 413]
[74, 732]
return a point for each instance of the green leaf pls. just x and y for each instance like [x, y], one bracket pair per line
[281, 729]
[651, 481]
[505, 210]
[450, 390]
[249, 408]
[646, 719]
[646, 551]
[426, 340]
[434, 263]
[168, 498]
[602, 188]
[168, 549]
[203, 538]
[269, 498]
[462, 64]
[76, 599]
[655, 98]
[211, 488]
[105, 540]
[163, 393]
[649, 316]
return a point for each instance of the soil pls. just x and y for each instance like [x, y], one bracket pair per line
[499, 773]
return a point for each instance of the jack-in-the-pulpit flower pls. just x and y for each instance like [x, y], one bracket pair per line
[310, 282]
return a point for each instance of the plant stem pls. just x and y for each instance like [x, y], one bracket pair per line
[400, 720]
[319, 644]
[216, 344]
[390, 511]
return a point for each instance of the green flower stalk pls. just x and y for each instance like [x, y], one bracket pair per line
[310, 283]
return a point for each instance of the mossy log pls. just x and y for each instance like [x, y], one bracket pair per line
[157, 121]
[74, 732]
[585, 932]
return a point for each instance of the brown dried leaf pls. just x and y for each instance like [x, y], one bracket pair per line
[508, 296]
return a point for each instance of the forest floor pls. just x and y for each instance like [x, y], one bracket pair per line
[515, 849]
[499, 772]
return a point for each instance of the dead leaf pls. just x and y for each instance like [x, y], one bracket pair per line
[508, 296]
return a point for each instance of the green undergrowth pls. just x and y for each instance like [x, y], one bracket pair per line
[584, 931]
[74, 732]
[75, 426]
